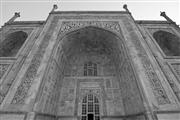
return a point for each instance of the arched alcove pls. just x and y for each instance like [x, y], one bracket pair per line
[115, 81]
[12, 43]
[168, 42]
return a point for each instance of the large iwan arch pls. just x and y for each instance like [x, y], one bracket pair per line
[115, 82]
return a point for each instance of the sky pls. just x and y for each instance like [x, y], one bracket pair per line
[35, 10]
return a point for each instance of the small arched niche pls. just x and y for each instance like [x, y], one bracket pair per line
[168, 42]
[12, 43]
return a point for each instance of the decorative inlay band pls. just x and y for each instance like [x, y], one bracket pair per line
[31, 72]
[71, 25]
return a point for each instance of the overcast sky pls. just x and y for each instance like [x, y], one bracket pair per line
[34, 10]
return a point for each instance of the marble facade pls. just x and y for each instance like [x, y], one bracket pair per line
[136, 76]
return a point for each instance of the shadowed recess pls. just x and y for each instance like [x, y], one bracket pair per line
[168, 42]
[12, 43]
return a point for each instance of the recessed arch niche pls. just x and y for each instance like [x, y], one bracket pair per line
[114, 74]
[168, 42]
[12, 43]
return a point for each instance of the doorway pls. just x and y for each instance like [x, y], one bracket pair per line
[90, 116]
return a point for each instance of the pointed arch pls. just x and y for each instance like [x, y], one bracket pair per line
[168, 42]
[12, 43]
